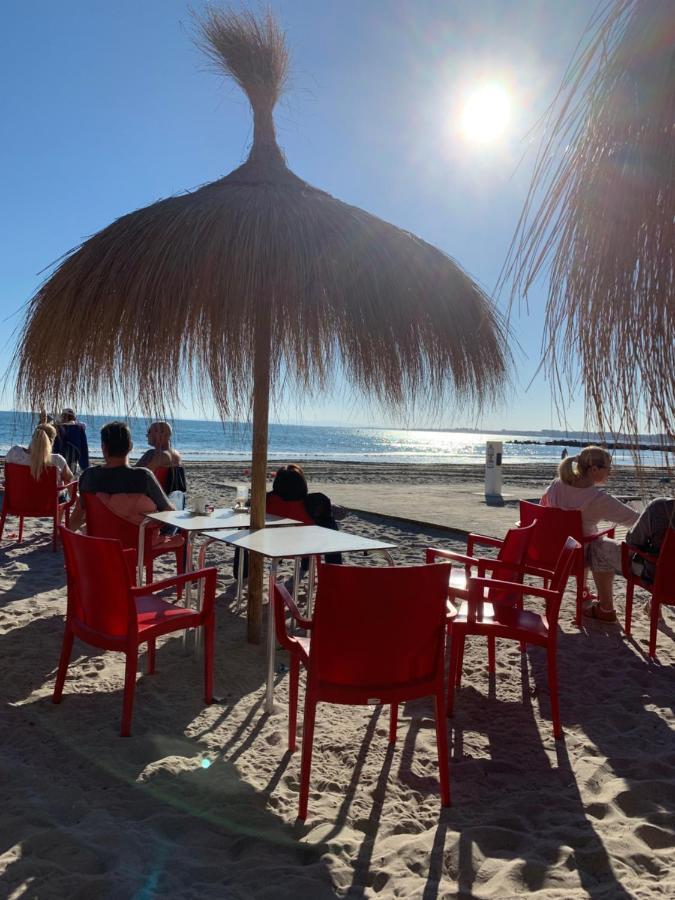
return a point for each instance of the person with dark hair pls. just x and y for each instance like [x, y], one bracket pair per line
[129, 492]
[71, 440]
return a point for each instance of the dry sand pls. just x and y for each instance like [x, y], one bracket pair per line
[201, 802]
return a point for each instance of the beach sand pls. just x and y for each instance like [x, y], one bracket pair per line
[201, 802]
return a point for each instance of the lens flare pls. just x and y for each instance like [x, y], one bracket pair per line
[485, 113]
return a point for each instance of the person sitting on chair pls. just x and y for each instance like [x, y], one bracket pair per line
[161, 454]
[578, 487]
[649, 532]
[39, 455]
[132, 491]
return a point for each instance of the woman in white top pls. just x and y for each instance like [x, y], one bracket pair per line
[38, 455]
[578, 487]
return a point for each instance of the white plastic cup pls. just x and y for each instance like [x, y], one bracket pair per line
[199, 502]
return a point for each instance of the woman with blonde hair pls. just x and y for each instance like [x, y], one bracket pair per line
[39, 456]
[578, 486]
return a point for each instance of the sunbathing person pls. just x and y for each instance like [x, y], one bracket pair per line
[578, 487]
[129, 492]
[39, 455]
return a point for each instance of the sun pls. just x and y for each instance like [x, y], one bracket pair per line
[485, 113]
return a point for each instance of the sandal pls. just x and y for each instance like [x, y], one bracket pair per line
[595, 611]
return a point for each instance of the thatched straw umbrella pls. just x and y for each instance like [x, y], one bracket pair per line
[253, 282]
[601, 215]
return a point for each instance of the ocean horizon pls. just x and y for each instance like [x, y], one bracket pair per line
[214, 441]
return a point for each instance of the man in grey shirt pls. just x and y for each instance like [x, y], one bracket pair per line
[116, 476]
[649, 532]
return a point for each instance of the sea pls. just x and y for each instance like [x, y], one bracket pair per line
[208, 440]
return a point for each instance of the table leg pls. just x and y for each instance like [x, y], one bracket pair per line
[310, 586]
[240, 579]
[141, 553]
[188, 584]
[269, 695]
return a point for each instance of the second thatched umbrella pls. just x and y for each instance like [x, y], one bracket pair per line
[601, 214]
[253, 282]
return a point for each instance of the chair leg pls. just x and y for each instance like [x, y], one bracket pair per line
[460, 661]
[130, 670]
[393, 722]
[653, 625]
[149, 572]
[553, 692]
[293, 678]
[442, 745]
[581, 584]
[66, 651]
[629, 607]
[491, 653]
[2, 523]
[456, 643]
[209, 643]
[307, 746]
[180, 568]
[55, 531]
[20, 529]
[151, 657]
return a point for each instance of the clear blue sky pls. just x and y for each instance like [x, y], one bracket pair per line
[108, 107]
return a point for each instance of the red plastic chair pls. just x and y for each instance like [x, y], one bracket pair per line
[162, 475]
[507, 566]
[27, 497]
[290, 509]
[554, 526]
[377, 636]
[498, 620]
[662, 589]
[103, 523]
[107, 611]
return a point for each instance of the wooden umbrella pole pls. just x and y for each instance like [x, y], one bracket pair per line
[261, 403]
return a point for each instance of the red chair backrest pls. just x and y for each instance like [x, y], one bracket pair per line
[378, 627]
[561, 574]
[513, 550]
[103, 523]
[664, 578]
[553, 528]
[99, 600]
[26, 496]
[162, 475]
[290, 509]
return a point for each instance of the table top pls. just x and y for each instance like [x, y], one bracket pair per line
[305, 540]
[219, 518]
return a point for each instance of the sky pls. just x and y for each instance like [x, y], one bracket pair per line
[110, 107]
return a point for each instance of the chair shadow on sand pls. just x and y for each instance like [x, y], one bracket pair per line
[159, 812]
[512, 802]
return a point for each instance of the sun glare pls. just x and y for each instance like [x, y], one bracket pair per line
[485, 113]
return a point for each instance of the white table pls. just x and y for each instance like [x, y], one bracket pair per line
[294, 543]
[193, 524]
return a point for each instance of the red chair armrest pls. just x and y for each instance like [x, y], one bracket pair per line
[433, 553]
[209, 576]
[289, 603]
[606, 532]
[484, 539]
[627, 551]
[538, 571]
[71, 487]
[476, 586]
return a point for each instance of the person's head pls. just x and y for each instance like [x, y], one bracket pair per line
[159, 435]
[290, 483]
[40, 449]
[591, 464]
[67, 415]
[116, 440]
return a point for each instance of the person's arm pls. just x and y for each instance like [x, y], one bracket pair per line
[157, 495]
[76, 516]
[67, 474]
[611, 509]
[145, 462]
